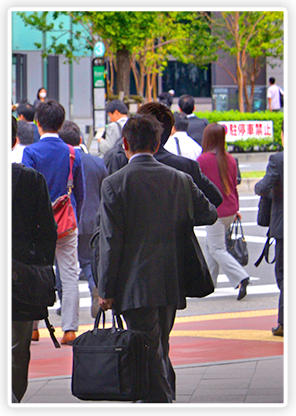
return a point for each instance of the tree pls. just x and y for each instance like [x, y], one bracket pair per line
[141, 41]
[250, 37]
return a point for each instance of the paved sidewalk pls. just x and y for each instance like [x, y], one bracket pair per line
[240, 382]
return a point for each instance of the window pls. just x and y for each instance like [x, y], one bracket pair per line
[187, 79]
[19, 78]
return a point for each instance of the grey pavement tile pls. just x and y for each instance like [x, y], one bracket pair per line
[263, 391]
[264, 399]
[226, 373]
[224, 384]
[190, 370]
[267, 381]
[183, 398]
[53, 398]
[218, 399]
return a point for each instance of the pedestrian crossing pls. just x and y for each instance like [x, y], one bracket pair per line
[253, 289]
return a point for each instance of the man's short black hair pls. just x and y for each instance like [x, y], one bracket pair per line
[142, 133]
[50, 115]
[116, 105]
[186, 103]
[25, 132]
[27, 110]
[181, 121]
[70, 133]
[163, 114]
[272, 80]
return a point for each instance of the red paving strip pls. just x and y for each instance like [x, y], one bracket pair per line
[208, 338]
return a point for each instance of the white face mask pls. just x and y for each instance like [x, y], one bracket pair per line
[42, 95]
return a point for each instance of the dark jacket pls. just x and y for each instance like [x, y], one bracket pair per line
[33, 226]
[94, 173]
[274, 180]
[143, 222]
[196, 127]
[118, 159]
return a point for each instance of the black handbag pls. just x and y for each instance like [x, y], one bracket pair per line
[198, 280]
[237, 246]
[34, 286]
[265, 252]
[110, 364]
[264, 210]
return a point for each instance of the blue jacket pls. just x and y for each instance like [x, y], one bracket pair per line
[50, 156]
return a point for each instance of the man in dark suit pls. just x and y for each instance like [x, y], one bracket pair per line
[143, 219]
[164, 115]
[274, 181]
[196, 125]
[94, 173]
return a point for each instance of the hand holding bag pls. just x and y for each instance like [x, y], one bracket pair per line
[237, 246]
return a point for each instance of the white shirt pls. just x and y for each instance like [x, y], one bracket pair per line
[17, 153]
[188, 147]
[274, 94]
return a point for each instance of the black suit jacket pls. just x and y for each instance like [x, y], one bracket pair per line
[143, 221]
[94, 173]
[33, 226]
[274, 180]
[196, 127]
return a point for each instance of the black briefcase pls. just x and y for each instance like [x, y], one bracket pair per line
[110, 363]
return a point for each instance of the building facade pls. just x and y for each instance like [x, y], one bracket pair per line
[71, 84]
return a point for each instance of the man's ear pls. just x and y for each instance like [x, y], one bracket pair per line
[125, 144]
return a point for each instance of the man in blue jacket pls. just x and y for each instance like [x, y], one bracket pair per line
[50, 156]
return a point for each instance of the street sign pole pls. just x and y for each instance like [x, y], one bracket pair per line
[99, 88]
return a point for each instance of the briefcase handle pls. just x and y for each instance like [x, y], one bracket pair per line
[98, 317]
[116, 320]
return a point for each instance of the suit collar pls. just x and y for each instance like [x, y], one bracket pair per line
[140, 157]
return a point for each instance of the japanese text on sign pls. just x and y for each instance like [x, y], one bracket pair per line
[242, 130]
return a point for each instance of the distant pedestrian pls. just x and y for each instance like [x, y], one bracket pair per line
[196, 125]
[94, 173]
[179, 142]
[166, 98]
[273, 96]
[220, 167]
[41, 97]
[25, 137]
[51, 156]
[118, 115]
[274, 181]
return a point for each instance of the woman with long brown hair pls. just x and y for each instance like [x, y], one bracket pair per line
[221, 168]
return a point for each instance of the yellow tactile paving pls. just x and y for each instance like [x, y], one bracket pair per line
[258, 335]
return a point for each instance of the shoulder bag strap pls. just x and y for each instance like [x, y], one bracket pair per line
[70, 183]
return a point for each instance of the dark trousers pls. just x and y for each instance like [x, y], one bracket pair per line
[157, 323]
[21, 340]
[279, 274]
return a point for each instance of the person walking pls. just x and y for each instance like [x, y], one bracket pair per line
[144, 213]
[33, 242]
[51, 156]
[273, 96]
[117, 112]
[24, 138]
[94, 173]
[274, 181]
[220, 167]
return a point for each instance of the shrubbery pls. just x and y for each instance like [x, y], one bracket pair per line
[251, 144]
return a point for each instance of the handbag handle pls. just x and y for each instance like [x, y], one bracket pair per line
[98, 317]
[70, 183]
[237, 223]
